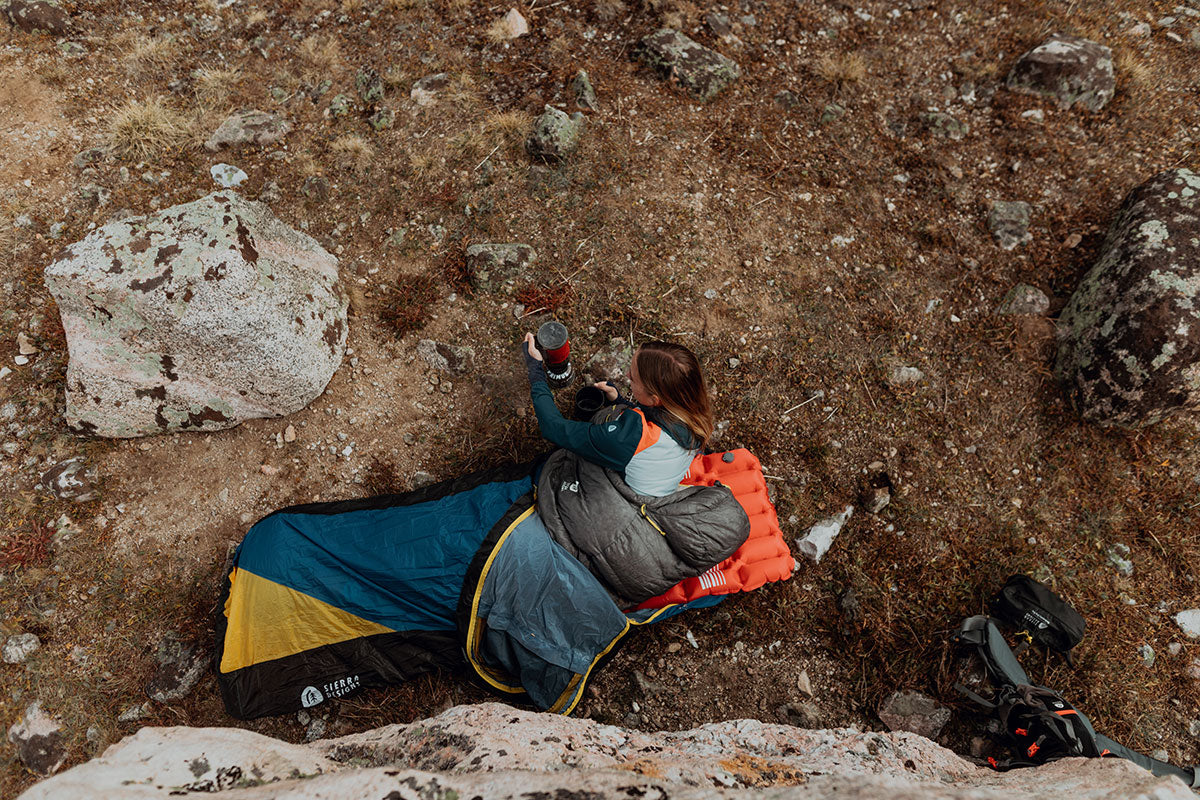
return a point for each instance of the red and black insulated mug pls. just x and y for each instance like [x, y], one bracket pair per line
[552, 340]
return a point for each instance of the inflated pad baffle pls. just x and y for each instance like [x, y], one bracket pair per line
[763, 558]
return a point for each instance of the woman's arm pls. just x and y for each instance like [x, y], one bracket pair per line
[609, 444]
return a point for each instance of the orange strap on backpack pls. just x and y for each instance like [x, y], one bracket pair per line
[762, 558]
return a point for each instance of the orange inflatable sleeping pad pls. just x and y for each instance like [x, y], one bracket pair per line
[762, 558]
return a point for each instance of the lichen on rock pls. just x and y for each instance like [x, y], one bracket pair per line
[1068, 69]
[1129, 337]
[196, 318]
[700, 71]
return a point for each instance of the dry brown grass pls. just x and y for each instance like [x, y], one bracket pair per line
[1131, 70]
[608, 10]
[499, 129]
[353, 153]
[319, 55]
[149, 56]
[257, 17]
[145, 129]
[214, 86]
[352, 6]
[841, 69]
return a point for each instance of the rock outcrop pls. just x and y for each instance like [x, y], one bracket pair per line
[489, 265]
[196, 318]
[496, 751]
[1129, 337]
[555, 135]
[33, 16]
[248, 127]
[1068, 69]
[701, 72]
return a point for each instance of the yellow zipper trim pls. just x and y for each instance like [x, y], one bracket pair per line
[474, 630]
[652, 522]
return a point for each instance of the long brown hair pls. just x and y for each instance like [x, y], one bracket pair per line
[672, 372]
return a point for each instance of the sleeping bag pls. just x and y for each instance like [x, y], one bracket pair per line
[325, 599]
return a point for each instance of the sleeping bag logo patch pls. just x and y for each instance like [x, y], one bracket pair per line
[612, 428]
[311, 696]
[570, 486]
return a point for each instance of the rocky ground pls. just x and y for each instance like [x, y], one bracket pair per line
[820, 232]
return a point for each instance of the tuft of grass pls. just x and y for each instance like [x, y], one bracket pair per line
[352, 6]
[257, 17]
[144, 129]
[1133, 71]
[608, 10]
[214, 86]
[841, 69]
[319, 55]
[353, 153]
[410, 304]
[151, 55]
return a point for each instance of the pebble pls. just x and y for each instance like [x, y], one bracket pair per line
[267, 469]
[20, 647]
[1146, 653]
[227, 175]
[1189, 622]
[289, 433]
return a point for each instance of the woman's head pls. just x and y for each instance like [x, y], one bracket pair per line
[668, 375]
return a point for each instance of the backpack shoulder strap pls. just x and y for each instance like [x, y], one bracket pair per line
[980, 632]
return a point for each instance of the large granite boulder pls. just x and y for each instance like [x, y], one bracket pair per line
[498, 752]
[1067, 69]
[1129, 337]
[701, 72]
[196, 318]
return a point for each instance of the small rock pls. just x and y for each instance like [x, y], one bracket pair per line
[831, 112]
[1072, 241]
[20, 647]
[289, 433]
[316, 729]
[180, 667]
[801, 715]
[271, 193]
[905, 376]
[1118, 556]
[446, 357]
[1009, 223]
[787, 100]
[24, 346]
[1174, 648]
[1146, 653]
[804, 684]
[382, 119]
[39, 741]
[72, 479]
[316, 188]
[814, 544]
[701, 72]
[1024, 299]
[734, 363]
[1068, 69]
[583, 91]
[268, 469]
[227, 175]
[914, 712]
[1189, 622]
[944, 126]
[340, 105]
[555, 135]
[421, 478]
[134, 713]
[425, 91]
[369, 86]
[249, 127]
[88, 157]
[511, 26]
[877, 494]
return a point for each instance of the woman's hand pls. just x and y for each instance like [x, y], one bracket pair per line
[531, 346]
[533, 359]
[610, 392]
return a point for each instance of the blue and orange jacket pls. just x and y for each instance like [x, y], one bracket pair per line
[650, 450]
